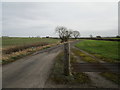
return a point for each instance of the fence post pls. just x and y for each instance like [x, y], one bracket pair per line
[67, 58]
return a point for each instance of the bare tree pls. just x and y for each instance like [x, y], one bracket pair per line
[76, 34]
[64, 34]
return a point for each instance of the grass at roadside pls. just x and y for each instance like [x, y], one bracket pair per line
[106, 50]
[115, 77]
[7, 58]
[58, 77]
[83, 56]
[17, 47]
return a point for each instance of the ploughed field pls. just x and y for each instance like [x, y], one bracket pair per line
[102, 49]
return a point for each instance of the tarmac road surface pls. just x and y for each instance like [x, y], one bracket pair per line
[31, 71]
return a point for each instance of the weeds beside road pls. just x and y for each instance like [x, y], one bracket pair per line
[7, 58]
[16, 47]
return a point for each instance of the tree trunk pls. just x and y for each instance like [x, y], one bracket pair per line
[67, 59]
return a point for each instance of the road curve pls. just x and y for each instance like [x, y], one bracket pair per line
[31, 71]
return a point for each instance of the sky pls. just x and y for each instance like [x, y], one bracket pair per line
[23, 19]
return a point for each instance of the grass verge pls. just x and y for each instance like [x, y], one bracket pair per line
[58, 77]
[7, 58]
[22, 47]
[83, 56]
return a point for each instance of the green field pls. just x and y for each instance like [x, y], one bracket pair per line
[17, 41]
[103, 49]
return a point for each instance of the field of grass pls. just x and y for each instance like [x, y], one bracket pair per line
[17, 41]
[102, 49]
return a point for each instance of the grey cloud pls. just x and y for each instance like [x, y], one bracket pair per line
[25, 19]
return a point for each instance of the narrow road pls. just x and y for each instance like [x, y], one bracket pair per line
[31, 71]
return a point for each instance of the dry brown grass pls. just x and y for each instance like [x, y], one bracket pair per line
[7, 58]
[20, 48]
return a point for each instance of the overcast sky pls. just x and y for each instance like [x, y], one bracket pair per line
[40, 19]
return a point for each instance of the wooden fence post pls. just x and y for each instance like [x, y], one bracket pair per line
[67, 58]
